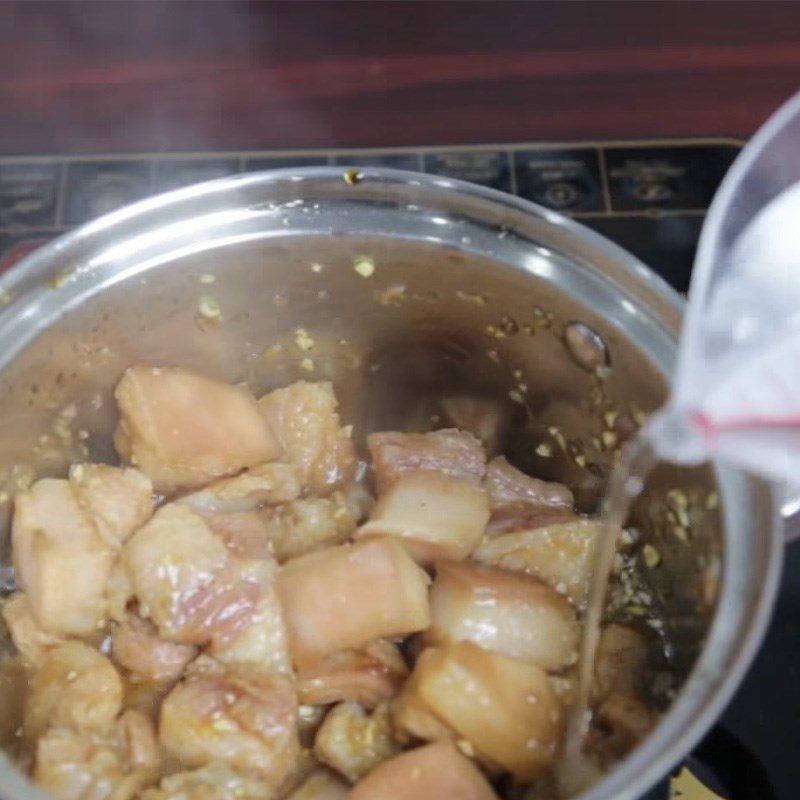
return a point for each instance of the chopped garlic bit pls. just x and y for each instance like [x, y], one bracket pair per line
[466, 748]
[680, 533]
[651, 556]
[207, 278]
[307, 364]
[364, 266]
[391, 295]
[317, 268]
[544, 450]
[468, 297]
[678, 498]
[352, 176]
[62, 427]
[60, 278]
[303, 340]
[208, 310]
[609, 439]
[610, 418]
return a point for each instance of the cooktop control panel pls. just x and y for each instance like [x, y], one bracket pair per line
[650, 197]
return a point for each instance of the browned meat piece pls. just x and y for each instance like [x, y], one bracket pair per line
[625, 721]
[452, 452]
[507, 612]
[620, 662]
[353, 742]
[242, 718]
[434, 772]
[303, 417]
[136, 646]
[183, 429]
[369, 676]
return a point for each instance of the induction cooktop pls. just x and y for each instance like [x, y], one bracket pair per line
[650, 197]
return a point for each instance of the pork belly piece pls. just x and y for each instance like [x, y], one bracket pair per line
[183, 429]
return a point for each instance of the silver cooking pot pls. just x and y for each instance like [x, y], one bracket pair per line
[409, 288]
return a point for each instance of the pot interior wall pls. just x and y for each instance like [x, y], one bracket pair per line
[431, 322]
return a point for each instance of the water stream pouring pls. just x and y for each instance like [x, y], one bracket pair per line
[735, 395]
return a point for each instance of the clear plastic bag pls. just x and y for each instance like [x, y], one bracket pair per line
[736, 391]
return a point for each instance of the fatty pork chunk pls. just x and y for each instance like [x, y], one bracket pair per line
[196, 592]
[183, 429]
[452, 452]
[260, 513]
[519, 502]
[507, 612]
[137, 647]
[236, 715]
[429, 493]
[504, 708]
[352, 741]
[66, 536]
[621, 668]
[533, 529]
[561, 554]
[81, 741]
[368, 676]
[214, 781]
[305, 422]
[345, 597]
[433, 772]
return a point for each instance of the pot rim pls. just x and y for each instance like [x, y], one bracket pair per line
[713, 679]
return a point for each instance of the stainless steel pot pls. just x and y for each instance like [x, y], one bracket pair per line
[411, 287]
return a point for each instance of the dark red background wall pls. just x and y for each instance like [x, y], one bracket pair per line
[119, 76]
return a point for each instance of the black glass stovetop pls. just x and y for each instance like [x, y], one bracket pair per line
[650, 197]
